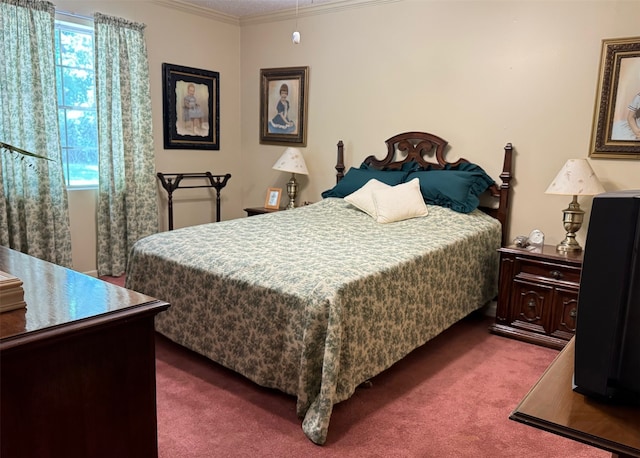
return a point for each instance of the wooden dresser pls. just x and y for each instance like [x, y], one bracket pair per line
[553, 406]
[77, 366]
[538, 295]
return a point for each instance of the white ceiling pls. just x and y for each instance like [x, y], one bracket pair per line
[245, 8]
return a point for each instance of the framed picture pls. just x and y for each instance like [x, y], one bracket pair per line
[283, 105]
[191, 108]
[273, 198]
[616, 121]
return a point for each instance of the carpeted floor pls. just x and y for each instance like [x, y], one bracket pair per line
[450, 398]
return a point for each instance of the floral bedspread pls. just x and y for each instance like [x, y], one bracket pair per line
[314, 301]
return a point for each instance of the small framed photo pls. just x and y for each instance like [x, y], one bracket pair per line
[616, 121]
[273, 198]
[283, 105]
[191, 108]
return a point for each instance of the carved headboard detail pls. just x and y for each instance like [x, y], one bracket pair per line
[428, 150]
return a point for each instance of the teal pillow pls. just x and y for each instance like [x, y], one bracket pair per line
[354, 179]
[406, 167]
[458, 189]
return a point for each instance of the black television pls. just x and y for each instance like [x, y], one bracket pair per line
[607, 338]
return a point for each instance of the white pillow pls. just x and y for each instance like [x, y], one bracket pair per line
[399, 202]
[363, 197]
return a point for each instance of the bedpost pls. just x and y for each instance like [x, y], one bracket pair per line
[340, 162]
[505, 191]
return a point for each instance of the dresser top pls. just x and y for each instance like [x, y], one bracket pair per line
[57, 296]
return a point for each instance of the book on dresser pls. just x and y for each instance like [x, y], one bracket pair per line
[11, 292]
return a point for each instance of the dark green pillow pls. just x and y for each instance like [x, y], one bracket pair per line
[406, 167]
[458, 189]
[354, 179]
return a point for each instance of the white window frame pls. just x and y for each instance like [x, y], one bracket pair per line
[84, 25]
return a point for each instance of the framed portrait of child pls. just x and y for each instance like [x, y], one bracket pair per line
[191, 108]
[616, 120]
[283, 105]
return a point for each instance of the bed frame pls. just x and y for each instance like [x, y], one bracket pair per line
[418, 145]
[319, 342]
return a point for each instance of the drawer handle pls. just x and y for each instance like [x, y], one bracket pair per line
[573, 313]
[555, 274]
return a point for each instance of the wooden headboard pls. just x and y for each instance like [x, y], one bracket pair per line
[428, 150]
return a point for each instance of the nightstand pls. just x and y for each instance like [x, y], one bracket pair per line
[538, 295]
[261, 210]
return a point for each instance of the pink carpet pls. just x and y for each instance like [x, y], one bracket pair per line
[450, 398]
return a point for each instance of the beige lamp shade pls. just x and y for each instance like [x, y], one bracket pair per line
[576, 178]
[291, 161]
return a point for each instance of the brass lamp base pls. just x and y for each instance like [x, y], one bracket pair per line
[568, 245]
[292, 191]
[572, 220]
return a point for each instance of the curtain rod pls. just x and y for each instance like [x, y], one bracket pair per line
[79, 16]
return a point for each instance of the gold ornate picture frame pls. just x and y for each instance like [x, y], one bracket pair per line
[616, 121]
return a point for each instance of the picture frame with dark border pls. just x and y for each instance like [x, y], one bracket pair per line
[272, 201]
[283, 105]
[613, 135]
[190, 107]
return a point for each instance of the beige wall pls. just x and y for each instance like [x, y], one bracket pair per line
[477, 73]
[191, 39]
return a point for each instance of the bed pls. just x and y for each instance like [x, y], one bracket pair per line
[317, 300]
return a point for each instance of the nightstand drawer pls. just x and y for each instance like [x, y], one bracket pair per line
[547, 271]
[538, 295]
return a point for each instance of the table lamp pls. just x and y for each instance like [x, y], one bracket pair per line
[291, 161]
[576, 178]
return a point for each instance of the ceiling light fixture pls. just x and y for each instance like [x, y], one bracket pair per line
[296, 35]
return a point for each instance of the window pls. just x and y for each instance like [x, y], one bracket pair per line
[77, 116]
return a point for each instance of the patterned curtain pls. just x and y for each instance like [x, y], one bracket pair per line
[34, 212]
[127, 192]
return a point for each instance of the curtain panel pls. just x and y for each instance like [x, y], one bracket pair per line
[34, 216]
[127, 193]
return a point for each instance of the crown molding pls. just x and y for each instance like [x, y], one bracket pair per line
[283, 15]
[198, 10]
[324, 8]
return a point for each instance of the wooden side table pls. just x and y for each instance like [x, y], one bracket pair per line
[538, 295]
[252, 211]
[553, 406]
